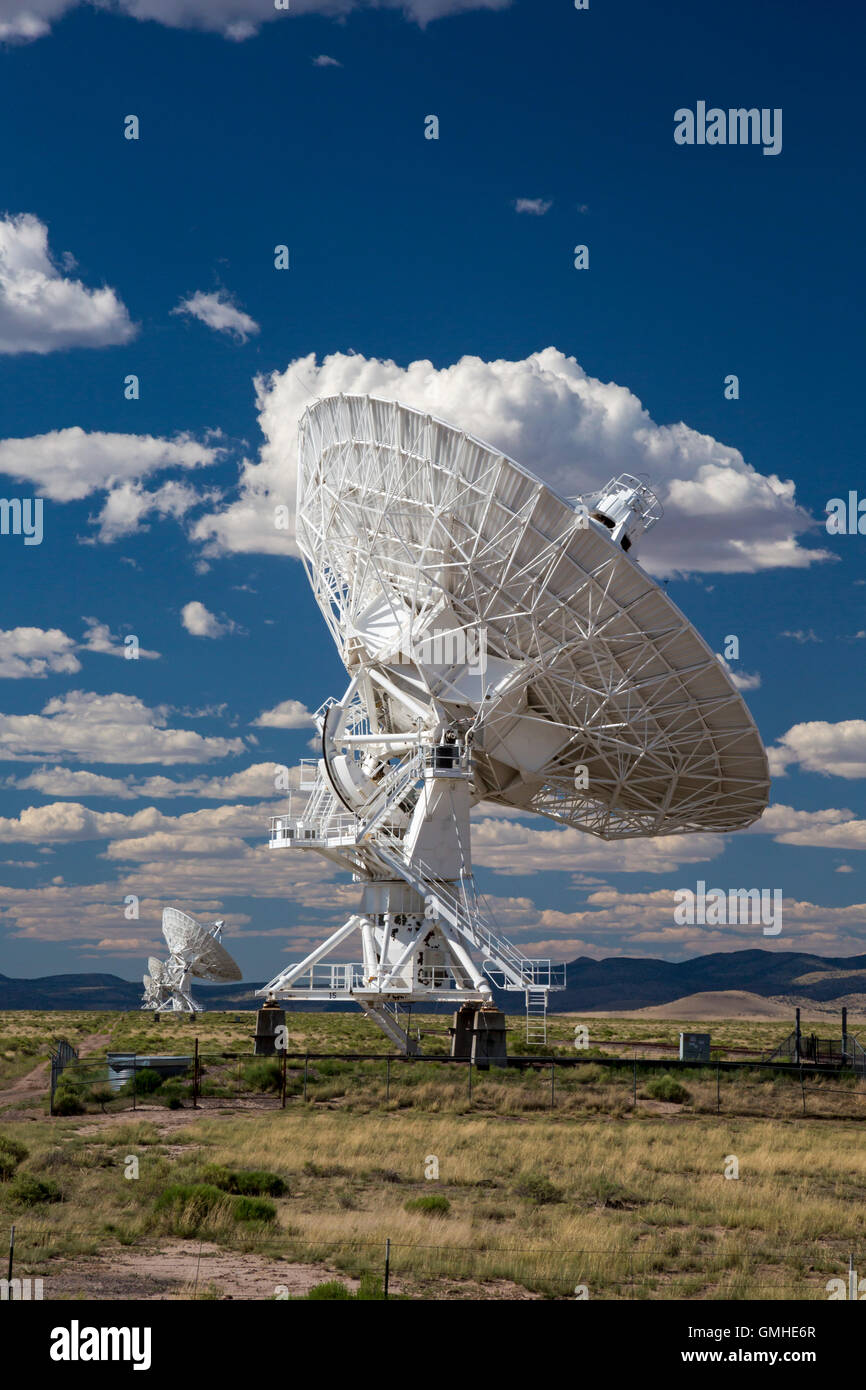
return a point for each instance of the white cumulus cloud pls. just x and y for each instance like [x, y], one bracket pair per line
[127, 505]
[741, 680]
[41, 309]
[69, 464]
[219, 312]
[575, 431]
[837, 750]
[200, 622]
[256, 781]
[98, 637]
[91, 728]
[34, 651]
[289, 714]
[37, 652]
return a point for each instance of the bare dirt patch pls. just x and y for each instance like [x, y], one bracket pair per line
[184, 1270]
[169, 1121]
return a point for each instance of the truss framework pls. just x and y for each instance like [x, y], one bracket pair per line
[502, 645]
[405, 518]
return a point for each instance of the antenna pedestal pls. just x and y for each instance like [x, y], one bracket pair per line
[478, 1035]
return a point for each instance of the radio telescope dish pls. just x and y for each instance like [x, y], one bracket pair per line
[195, 951]
[502, 645]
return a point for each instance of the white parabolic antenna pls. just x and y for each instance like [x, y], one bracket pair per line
[195, 952]
[502, 645]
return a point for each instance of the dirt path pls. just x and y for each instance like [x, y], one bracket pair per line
[183, 1270]
[34, 1083]
[186, 1270]
[37, 1081]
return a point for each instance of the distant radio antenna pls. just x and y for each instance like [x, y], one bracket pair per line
[195, 953]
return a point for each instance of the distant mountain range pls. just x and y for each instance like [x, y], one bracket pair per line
[614, 983]
[630, 983]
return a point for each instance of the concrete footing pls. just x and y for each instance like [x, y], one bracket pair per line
[269, 1018]
[478, 1034]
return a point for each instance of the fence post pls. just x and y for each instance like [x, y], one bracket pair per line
[803, 1089]
[195, 1076]
[282, 1082]
[135, 1079]
[306, 1070]
[552, 1085]
[11, 1254]
[852, 1277]
[387, 1267]
[634, 1088]
[470, 1080]
[718, 1087]
[53, 1084]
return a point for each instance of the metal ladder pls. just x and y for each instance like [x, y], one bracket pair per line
[536, 1016]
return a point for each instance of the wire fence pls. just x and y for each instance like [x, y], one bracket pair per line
[562, 1084]
[41, 1265]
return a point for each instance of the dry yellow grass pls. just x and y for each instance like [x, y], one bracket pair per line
[642, 1207]
[631, 1202]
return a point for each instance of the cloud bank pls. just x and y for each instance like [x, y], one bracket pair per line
[22, 21]
[112, 728]
[721, 513]
[836, 750]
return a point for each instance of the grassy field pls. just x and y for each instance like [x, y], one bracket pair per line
[497, 1196]
[26, 1037]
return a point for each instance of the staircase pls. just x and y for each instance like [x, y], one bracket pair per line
[505, 965]
[380, 844]
[386, 1019]
[402, 778]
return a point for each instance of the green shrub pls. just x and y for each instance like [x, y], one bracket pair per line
[668, 1088]
[145, 1082]
[68, 1098]
[263, 1076]
[11, 1154]
[187, 1206]
[485, 1213]
[538, 1189]
[173, 1093]
[434, 1205]
[32, 1192]
[331, 1292]
[101, 1093]
[590, 1075]
[253, 1209]
[255, 1182]
[312, 1169]
[370, 1290]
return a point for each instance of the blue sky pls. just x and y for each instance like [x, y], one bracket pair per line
[704, 261]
